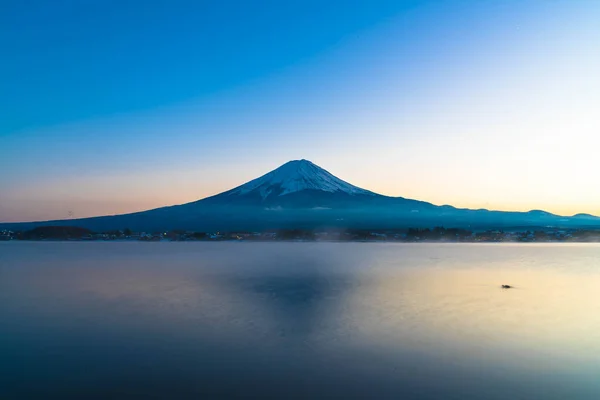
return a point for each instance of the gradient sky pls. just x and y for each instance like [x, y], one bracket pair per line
[116, 106]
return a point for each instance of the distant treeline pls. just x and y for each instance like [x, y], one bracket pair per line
[407, 235]
[438, 233]
[54, 232]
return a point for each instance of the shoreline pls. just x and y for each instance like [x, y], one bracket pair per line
[298, 241]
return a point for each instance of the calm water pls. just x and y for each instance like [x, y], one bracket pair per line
[287, 320]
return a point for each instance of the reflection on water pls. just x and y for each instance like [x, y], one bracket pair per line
[348, 320]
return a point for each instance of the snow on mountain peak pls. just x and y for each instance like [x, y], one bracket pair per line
[295, 176]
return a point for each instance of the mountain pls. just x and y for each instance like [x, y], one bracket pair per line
[300, 194]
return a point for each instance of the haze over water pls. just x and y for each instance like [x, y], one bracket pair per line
[318, 320]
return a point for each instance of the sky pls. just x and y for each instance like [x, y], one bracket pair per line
[109, 107]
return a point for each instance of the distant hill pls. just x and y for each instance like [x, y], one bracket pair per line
[299, 195]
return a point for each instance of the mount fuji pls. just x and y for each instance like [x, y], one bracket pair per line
[300, 194]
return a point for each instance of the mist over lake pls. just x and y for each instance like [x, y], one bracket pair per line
[167, 320]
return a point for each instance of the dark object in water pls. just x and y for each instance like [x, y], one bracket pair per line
[506, 287]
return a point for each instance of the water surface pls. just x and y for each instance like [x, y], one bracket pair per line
[299, 320]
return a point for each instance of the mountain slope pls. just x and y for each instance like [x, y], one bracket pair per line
[300, 194]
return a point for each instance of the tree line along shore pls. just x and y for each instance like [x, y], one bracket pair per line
[438, 234]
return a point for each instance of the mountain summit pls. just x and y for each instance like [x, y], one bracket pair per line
[296, 176]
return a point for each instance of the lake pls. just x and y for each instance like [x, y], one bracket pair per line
[133, 320]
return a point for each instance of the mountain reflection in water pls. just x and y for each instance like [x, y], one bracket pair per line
[348, 320]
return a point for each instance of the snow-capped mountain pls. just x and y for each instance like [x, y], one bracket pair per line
[295, 176]
[295, 184]
[300, 194]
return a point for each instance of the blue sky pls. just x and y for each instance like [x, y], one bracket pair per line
[117, 106]
[73, 60]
